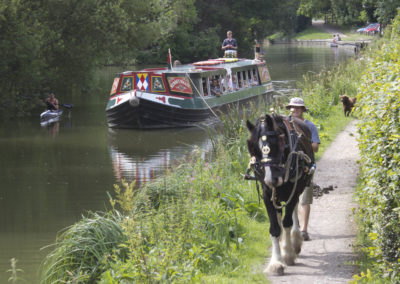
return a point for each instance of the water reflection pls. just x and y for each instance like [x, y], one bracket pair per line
[143, 155]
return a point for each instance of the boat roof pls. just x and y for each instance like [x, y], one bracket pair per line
[204, 66]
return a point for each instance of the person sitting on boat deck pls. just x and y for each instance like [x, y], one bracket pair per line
[226, 83]
[215, 89]
[229, 45]
[234, 83]
[51, 102]
[177, 63]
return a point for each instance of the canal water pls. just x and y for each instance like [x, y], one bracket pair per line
[50, 176]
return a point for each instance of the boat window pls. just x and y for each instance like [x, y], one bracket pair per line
[205, 86]
[127, 84]
[255, 77]
[215, 85]
[245, 79]
[225, 83]
[197, 82]
[239, 80]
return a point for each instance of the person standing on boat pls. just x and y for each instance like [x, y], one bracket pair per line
[229, 45]
[51, 102]
[297, 108]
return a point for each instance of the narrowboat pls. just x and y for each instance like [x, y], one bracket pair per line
[185, 95]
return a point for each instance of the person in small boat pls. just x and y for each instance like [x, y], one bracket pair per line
[229, 45]
[215, 89]
[51, 102]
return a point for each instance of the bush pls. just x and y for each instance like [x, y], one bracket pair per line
[379, 127]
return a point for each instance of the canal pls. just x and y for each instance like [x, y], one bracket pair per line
[50, 176]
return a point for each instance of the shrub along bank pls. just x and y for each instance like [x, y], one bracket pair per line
[200, 221]
[379, 192]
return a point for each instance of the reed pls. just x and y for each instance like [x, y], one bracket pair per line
[15, 278]
[82, 249]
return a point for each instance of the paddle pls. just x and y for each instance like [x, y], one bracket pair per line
[68, 106]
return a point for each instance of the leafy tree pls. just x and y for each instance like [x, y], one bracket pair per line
[386, 10]
[21, 61]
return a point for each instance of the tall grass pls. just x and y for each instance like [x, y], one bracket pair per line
[83, 250]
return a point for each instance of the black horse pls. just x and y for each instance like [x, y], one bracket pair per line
[282, 160]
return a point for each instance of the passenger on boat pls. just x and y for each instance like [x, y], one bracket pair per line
[227, 83]
[177, 63]
[215, 89]
[229, 45]
[51, 102]
[234, 83]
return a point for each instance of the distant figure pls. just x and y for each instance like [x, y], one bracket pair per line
[229, 45]
[348, 104]
[177, 63]
[51, 102]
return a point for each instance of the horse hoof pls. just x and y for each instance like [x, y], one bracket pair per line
[280, 271]
[275, 269]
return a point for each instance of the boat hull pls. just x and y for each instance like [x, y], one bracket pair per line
[186, 96]
[148, 114]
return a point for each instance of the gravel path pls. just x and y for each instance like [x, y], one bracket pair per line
[332, 228]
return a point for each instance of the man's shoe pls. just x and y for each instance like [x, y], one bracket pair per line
[305, 236]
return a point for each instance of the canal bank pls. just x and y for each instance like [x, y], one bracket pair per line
[201, 221]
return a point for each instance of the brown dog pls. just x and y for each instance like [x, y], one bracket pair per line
[348, 104]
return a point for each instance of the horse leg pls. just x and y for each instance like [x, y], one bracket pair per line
[276, 265]
[295, 234]
[288, 252]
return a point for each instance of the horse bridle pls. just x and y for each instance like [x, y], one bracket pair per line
[257, 165]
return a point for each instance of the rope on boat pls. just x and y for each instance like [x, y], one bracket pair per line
[202, 96]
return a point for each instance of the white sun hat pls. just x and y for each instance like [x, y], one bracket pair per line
[296, 102]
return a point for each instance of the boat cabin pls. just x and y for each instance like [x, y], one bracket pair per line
[198, 79]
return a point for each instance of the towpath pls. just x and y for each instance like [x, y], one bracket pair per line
[328, 256]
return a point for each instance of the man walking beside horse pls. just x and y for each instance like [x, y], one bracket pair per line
[297, 108]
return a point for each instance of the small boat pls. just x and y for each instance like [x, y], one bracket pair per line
[183, 96]
[50, 116]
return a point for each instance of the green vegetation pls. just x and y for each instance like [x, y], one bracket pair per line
[312, 33]
[348, 12]
[379, 191]
[57, 45]
[200, 222]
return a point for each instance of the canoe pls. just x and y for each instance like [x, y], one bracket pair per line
[50, 116]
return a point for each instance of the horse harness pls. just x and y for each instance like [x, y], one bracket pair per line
[296, 163]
